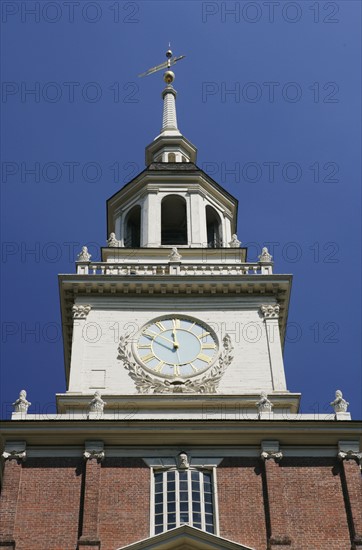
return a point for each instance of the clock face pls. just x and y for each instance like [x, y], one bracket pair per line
[176, 347]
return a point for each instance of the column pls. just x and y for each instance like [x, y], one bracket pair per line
[14, 454]
[351, 458]
[93, 455]
[197, 219]
[271, 316]
[274, 505]
[151, 220]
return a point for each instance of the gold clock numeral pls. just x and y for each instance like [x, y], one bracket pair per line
[195, 369]
[148, 357]
[176, 323]
[160, 325]
[159, 367]
[203, 335]
[145, 346]
[149, 333]
[176, 370]
[208, 346]
[204, 357]
[190, 328]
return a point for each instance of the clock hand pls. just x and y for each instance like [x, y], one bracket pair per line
[164, 346]
[165, 338]
[175, 342]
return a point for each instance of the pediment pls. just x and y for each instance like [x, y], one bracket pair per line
[185, 538]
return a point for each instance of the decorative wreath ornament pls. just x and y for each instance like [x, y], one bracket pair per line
[145, 383]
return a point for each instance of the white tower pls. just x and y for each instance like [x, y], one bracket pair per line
[174, 310]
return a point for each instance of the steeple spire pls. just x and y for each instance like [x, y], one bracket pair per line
[169, 118]
[170, 145]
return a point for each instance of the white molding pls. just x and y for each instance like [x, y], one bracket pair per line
[207, 456]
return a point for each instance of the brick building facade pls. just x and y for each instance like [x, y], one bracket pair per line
[182, 434]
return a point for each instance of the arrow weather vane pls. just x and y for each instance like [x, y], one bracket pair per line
[166, 65]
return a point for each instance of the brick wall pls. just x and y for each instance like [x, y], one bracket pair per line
[319, 504]
[48, 506]
[312, 510]
[240, 498]
[124, 509]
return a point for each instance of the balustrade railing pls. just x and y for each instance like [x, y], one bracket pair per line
[172, 268]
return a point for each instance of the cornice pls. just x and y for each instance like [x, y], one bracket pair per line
[180, 432]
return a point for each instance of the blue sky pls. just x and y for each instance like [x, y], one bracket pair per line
[270, 95]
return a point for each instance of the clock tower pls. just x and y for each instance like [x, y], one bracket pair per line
[177, 429]
[174, 309]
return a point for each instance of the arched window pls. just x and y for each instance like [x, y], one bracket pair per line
[171, 157]
[133, 228]
[173, 220]
[213, 228]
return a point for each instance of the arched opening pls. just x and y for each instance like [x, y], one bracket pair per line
[171, 157]
[173, 220]
[133, 228]
[213, 228]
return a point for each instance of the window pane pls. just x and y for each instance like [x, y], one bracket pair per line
[210, 528]
[158, 478]
[184, 495]
[159, 519]
[196, 506]
[171, 507]
[171, 525]
[197, 525]
[184, 506]
[158, 529]
[170, 476]
[184, 518]
[158, 508]
[194, 475]
[183, 485]
[183, 476]
[196, 517]
[195, 496]
[208, 497]
[209, 518]
[208, 508]
[159, 497]
[171, 486]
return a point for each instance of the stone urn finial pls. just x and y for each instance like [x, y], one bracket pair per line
[264, 404]
[97, 403]
[21, 405]
[339, 404]
[234, 243]
[84, 255]
[265, 257]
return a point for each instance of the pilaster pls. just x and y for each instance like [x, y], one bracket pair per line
[93, 456]
[80, 314]
[271, 320]
[351, 458]
[14, 455]
[275, 503]
[197, 223]
[151, 220]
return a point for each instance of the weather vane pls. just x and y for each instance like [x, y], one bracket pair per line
[169, 76]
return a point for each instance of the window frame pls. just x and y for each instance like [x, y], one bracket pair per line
[164, 470]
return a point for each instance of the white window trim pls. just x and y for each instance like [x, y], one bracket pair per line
[159, 469]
